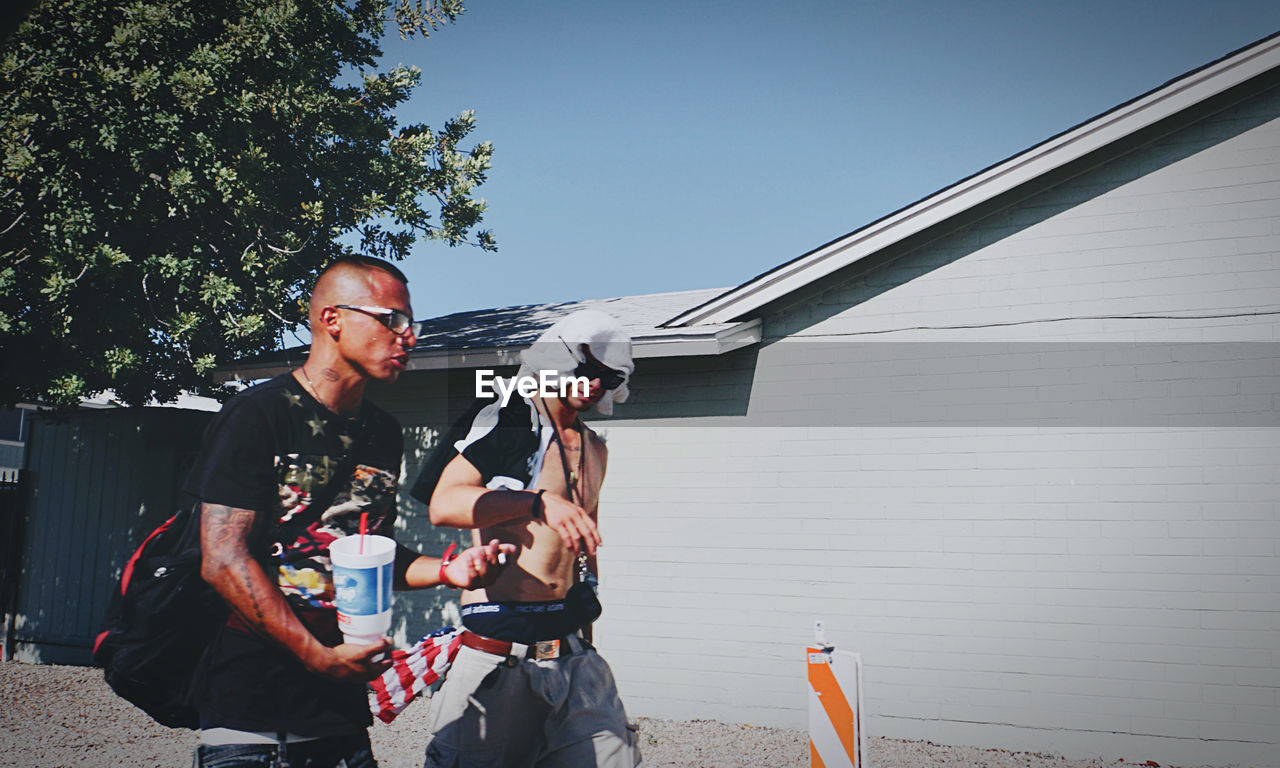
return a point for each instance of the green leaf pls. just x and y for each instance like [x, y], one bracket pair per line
[119, 359]
[176, 173]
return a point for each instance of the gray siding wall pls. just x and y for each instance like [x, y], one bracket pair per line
[1054, 535]
[1061, 534]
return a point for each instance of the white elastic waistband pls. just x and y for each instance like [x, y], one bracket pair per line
[216, 737]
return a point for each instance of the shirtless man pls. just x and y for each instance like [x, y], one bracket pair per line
[527, 688]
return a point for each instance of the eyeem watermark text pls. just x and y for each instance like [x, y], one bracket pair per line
[545, 384]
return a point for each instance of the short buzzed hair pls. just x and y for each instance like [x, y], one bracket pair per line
[369, 262]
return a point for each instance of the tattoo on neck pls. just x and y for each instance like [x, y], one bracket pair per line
[329, 374]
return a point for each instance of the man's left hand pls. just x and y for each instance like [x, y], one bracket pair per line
[479, 566]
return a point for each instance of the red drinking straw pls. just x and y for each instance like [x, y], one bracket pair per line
[364, 528]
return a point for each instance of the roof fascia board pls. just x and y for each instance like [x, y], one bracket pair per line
[1074, 144]
[681, 342]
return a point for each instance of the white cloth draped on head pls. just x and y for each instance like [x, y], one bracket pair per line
[557, 350]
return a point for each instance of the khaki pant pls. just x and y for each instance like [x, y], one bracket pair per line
[518, 713]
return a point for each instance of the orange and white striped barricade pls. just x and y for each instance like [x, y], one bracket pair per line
[836, 737]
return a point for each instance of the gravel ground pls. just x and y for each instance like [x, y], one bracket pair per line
[51, 717]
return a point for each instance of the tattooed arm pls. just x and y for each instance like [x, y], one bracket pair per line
[228, 566]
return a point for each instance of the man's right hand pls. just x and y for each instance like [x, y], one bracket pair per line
[350, 663]
[571, 522]
[227, 565]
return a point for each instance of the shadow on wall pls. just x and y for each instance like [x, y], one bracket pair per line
[693, 387]
[420, 612]
[427, 403]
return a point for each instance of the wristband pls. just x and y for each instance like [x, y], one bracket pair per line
[536, 511]
[445, 559]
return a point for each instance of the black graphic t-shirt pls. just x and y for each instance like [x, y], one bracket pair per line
[275, 450]
[505, 443]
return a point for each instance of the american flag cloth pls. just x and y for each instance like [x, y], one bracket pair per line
[412, 671]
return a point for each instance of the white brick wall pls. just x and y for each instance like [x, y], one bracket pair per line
[1059, 582]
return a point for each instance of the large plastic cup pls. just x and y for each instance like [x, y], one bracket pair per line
[362, 586]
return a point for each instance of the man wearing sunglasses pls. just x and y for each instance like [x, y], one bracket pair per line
[286, 468]
[527, 688]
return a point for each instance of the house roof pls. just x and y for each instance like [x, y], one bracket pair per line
[1214, 86]
[520, 325]
[711, 322]
[494, 336]
[491, 337]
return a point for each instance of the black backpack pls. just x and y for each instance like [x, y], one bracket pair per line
[165, 615]
[159, 623]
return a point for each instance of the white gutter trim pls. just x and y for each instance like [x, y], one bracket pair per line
[688, 342]
[1037, 161]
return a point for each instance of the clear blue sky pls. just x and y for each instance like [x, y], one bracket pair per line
[644, 147]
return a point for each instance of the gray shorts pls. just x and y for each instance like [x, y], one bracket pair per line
[556, 713]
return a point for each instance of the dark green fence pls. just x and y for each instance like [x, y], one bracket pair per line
[97, 482]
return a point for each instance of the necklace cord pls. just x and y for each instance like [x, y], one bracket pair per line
[571, 482]
[311, 386]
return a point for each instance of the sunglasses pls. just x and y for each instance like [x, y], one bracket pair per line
[398, 322]
[590, 368]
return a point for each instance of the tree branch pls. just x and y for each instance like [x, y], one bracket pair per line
[147, 295]
[21, 216]
[288, 252]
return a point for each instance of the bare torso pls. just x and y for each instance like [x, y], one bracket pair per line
[545, 569]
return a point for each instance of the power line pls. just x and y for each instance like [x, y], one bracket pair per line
[1008, 323]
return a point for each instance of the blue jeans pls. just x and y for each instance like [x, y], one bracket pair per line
[351, 751]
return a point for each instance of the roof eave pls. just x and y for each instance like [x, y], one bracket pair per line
[705, 340]
[1133, 116]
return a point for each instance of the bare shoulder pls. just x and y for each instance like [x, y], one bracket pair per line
[596, 445]
[594, 439]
